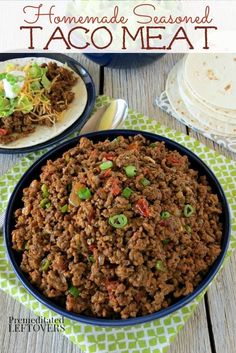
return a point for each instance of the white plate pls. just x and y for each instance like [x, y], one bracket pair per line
[74, 111]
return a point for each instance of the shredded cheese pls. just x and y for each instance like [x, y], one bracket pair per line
[42, 105]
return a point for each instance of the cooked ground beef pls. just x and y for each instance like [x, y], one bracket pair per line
[60, 95]
[165, 240]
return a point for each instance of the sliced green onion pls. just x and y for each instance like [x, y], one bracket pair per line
[127, 192]
[45, 203]
[165, 215]
[145, 182]
[45, 82]
[160, 266]
[45, 265]
[188, 210]
[118, 221]
[64, 208]
[165, 241]
[106, 165]
[153, 145]
[74, 291]
[44, 190]
[84, 194]
[188, 228]
[91, 258]
[130, 171]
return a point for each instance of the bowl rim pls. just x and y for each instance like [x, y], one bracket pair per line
[100, 136]
[80, 121]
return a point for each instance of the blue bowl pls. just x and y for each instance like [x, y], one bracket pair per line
[124, 60]
[82, 119]
[15, 202]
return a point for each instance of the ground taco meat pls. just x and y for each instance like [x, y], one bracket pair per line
[118, 229]
[60, 96]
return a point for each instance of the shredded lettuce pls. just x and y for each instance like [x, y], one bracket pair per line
[2, 75]
[45, 82]
[35, 86]
[16, 89]
[24, 104]
[36, 71]
[35, 78]
[6, 107]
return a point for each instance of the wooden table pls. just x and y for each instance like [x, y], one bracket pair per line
[213, 326]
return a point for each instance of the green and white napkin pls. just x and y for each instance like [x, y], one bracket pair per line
[153, 337]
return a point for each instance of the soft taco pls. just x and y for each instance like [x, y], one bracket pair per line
[186, 91]
[39, 99]
[212, 79]
[187, 113]
[216, 120]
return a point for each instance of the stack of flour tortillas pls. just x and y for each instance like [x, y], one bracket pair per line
[201, 89]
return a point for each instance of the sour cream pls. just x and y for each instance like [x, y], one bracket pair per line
[9, 88]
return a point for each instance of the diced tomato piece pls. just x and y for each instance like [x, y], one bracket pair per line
[92, 247]
[73, 198]
[162, 223]
[91, 215]
[94, 154]
[3, 132]
[145, 170]
[138, 178]
[109, 156]
[115, 188]
[174, 160]
[142, 207]
[106, 173]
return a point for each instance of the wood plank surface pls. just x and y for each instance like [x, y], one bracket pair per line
[139, 87]
[221, 297]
